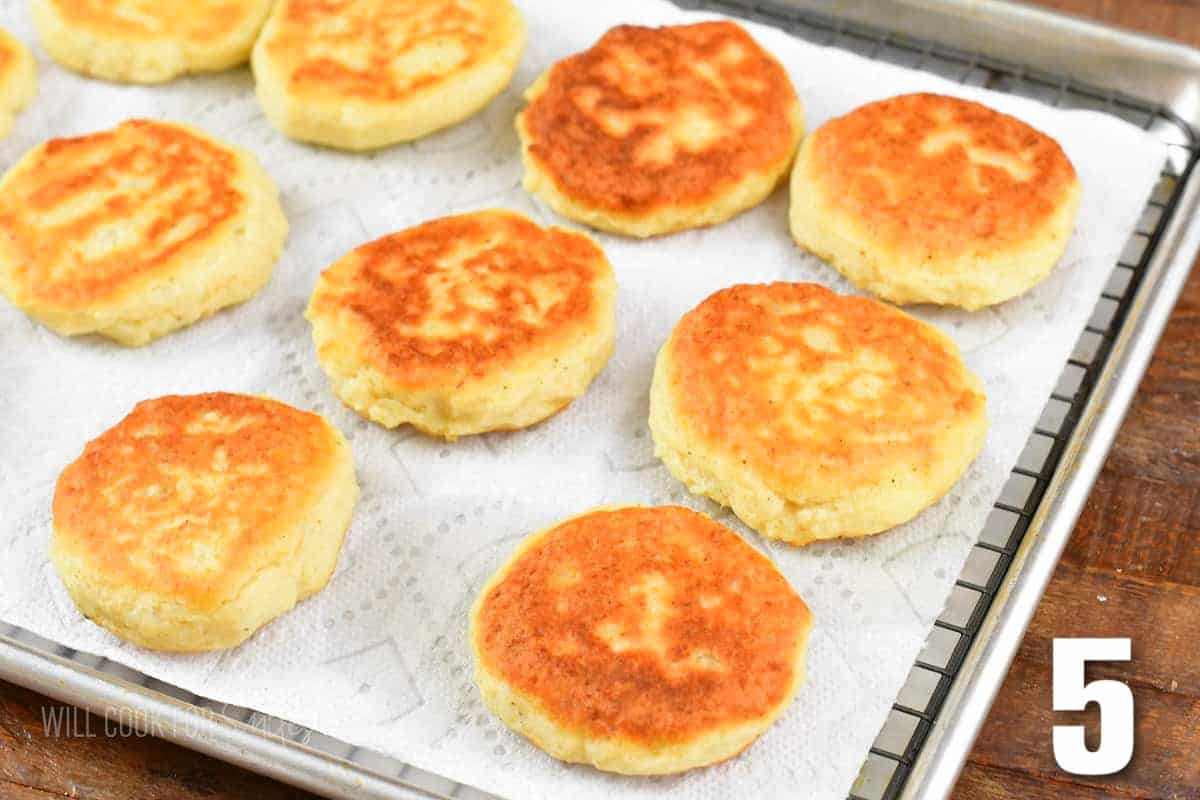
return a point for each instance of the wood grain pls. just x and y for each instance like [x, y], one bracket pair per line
[1173, 19]
[1086, 601]
[1137, 546]
[980, 782]
[1160, 440]
[1164, 760]
[1139, 525]
[88, 760]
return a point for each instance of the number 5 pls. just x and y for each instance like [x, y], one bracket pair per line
[1113, 697]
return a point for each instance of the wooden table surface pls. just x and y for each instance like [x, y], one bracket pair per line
[1132, 568]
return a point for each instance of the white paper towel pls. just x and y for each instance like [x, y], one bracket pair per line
[379, 658]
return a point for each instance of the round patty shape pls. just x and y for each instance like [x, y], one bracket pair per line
[471, 323]
[18, 80]
[363, 74]
[655, 130]
[813, 415]
[148, 41]
[931, 199]
[640, 640]
[196, 520]
[136, 231]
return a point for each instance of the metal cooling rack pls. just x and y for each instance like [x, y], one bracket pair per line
[903, 736]
[907, 743]
[917, 707]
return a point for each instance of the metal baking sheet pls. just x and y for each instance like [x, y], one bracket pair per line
[920, 750]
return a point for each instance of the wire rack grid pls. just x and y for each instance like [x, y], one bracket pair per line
[890, 760]
[889, 763]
